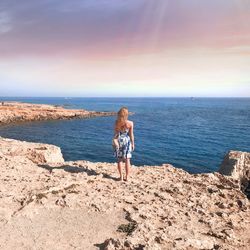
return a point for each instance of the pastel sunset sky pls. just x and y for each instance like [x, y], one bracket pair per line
[125, 48]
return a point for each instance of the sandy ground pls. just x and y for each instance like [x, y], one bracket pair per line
[63, 228]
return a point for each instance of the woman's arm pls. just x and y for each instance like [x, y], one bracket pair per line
[115, 130]
[131, 135]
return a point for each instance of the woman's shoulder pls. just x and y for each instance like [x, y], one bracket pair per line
[130, 123]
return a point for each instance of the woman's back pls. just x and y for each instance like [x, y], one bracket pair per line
[123, 127]
[123, 140]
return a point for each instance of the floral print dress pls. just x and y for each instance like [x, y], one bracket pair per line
[124, 151]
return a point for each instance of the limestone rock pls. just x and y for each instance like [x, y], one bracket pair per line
[36, 152]
[236, 164]
[12, 112]
[82, 205]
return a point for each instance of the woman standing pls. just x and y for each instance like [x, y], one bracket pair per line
[123, 141]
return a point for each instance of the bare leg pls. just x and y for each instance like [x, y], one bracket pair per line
[127, 168]
[119, 166]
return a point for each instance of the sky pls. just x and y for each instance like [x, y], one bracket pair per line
[125, 48]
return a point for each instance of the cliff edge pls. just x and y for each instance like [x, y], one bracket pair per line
[236, 164]
[47, 203]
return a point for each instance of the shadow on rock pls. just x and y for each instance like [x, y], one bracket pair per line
[72, 169]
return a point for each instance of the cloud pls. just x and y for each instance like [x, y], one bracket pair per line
[5, 22]
[116, 28]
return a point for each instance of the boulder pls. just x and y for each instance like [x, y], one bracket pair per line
[236, 164]
[36, 152]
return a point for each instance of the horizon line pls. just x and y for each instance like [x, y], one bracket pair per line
[75, 97]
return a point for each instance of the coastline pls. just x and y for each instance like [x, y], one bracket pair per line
[81, 204]
[15, 112]
[193, 143]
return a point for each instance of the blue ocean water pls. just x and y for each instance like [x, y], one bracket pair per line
[191, 133]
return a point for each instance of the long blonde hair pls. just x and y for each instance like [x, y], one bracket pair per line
[122, 117]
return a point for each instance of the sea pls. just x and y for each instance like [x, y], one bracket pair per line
[191, 133]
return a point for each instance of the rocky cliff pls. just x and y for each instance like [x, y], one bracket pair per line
[236, 165]
[46, 203]
[19, 112]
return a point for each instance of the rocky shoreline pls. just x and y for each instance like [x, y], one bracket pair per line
[47, 203]
[13, 112]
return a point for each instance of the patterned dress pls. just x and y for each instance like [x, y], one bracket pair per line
[125, 148]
